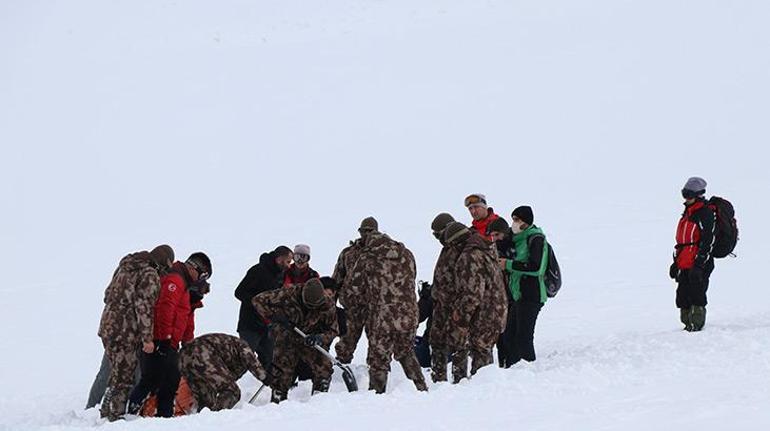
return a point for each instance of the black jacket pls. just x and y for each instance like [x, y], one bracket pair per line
[506, 250]
[262, 277]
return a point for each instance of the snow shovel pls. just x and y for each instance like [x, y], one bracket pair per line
[259, 391]
[347, 374]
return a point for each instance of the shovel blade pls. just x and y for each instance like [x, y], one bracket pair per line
[349, 378]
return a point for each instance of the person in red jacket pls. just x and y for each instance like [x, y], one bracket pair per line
[181, 293]
[482, 214]
[300, 271]
[693, 258]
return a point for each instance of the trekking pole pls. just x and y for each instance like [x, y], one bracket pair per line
[347, 374]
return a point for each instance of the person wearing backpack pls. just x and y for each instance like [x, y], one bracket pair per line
[526, 282]
[694, 254]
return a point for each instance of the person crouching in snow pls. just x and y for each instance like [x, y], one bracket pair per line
[212, 365]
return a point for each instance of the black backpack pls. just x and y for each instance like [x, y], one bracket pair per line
[552, 276]
[726, 229]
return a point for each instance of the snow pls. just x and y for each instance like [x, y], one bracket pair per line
[234, 126]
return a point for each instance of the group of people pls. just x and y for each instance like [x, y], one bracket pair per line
[488, 289]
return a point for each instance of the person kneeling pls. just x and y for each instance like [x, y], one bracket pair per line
[212, 365]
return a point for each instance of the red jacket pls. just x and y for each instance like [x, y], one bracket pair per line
[296, 276]
[695, 236]
[174, 315]
[481, 225]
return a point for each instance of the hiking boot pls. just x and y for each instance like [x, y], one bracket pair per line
[278, 396]
[320, 386]
[698, 317]
[378, 381]
[685, 315]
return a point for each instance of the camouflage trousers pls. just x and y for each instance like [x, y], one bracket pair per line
[356, 324]
[398, 345]
[212, 385]
[438, 343]
[476, 340]
[289, 351]
[123, 361]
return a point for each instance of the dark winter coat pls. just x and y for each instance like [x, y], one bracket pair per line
[262, 277]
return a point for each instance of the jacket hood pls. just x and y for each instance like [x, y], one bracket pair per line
[268, 261]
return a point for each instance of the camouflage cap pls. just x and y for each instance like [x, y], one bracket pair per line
[454, 232]
[441, 221]
[368, 224]
[163, 255]
[313, 293]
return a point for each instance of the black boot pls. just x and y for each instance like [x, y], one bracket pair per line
[278, 396]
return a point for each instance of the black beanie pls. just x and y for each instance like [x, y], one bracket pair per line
[524, 213]
[498, 225]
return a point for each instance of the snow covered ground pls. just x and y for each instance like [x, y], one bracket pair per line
[234, 126]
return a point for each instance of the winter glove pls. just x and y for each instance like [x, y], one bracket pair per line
[313, 340]
[162, 347]
[673, 272]
[281, 319]
[695, 275]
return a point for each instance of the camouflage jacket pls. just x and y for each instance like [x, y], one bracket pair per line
[226, 357]
[479, 286]
[129, 300]
[443, 276]
[386, 271]
[343, 272]
[288, 302]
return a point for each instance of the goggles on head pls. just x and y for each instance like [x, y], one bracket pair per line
[474, 200]
[203, 274]
[301, 258]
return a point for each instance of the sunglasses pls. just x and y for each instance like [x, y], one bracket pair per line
[689, 194]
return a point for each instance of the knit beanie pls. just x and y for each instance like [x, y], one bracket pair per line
[694, 187]
[163, 255]
[454, 232]
[302, 249]
[368, 224]
[524, 213]
[441, 222]
[498, 225]
[313, 293]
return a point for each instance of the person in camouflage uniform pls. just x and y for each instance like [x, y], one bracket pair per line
[386, 270]
[352, 297]
[308, 308]
[479, 304]
[127, 321]
[442, 286]
[212, 365]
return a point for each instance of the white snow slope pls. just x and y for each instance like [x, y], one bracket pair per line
[235, 126]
